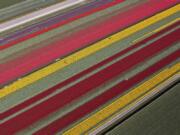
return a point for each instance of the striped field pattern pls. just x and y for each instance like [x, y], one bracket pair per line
[85, 68]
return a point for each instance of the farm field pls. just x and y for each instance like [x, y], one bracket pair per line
[76, 67]
[167, 104]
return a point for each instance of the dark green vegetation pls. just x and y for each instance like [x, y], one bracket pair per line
[161, 117]
[6, 3]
